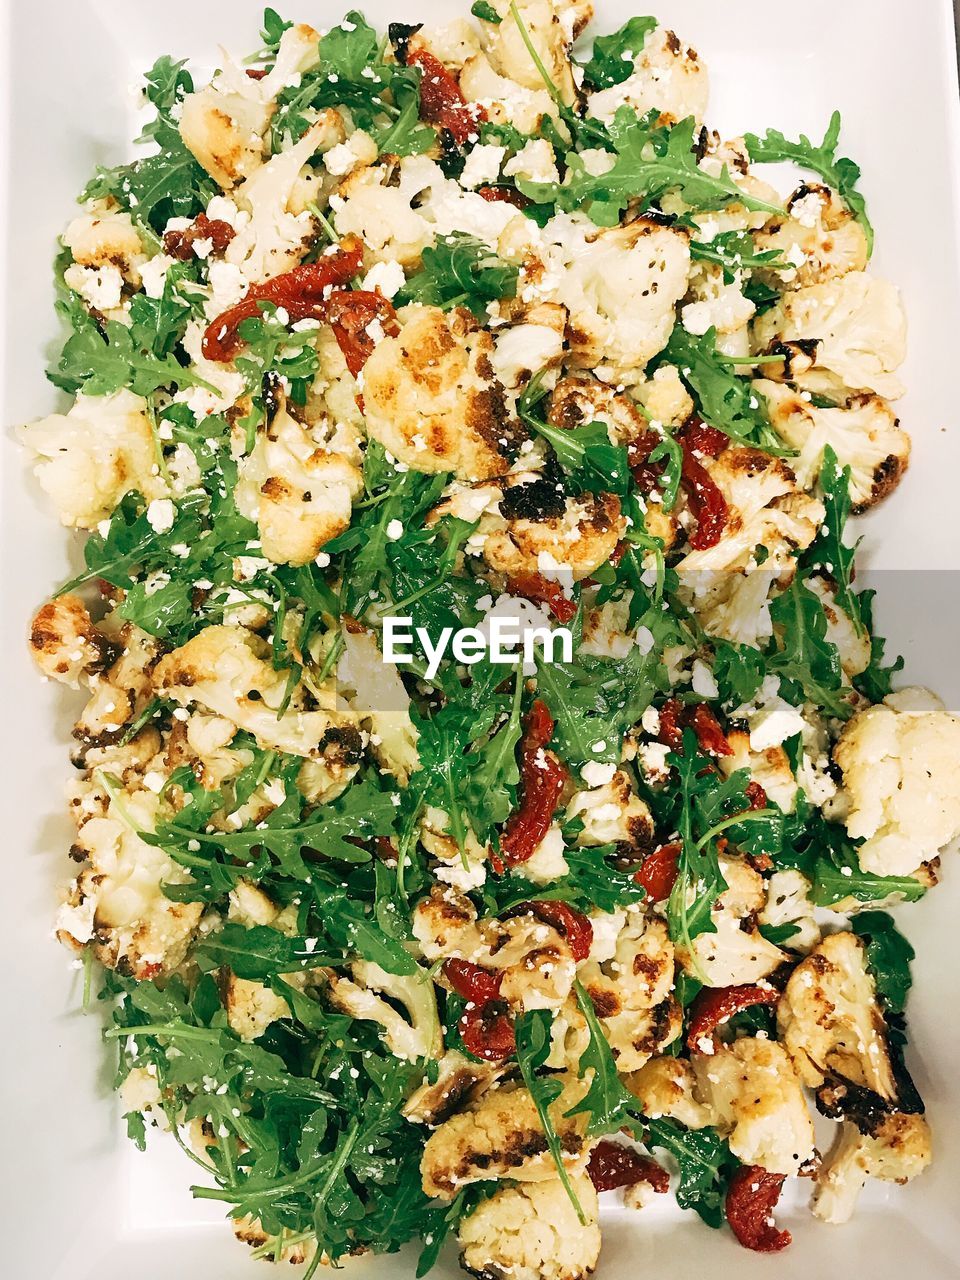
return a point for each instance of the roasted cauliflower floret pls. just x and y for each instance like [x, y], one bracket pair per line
[820, 240]
[500, 1136]
[382, 216]
[853, 646]
[373, 995]
[898, 1149]
[275, 239]
[532, 1232]
[612, 813]
[459, 1080]
[829, 1020]
[228, 671]
[863, 432]
[667, 1086]
[755, 1097]
[65, 644]
[732, 605]
[89, 457]
[250, 1006]
[298, 488]
[666, 77]
[788, 903]
[620, 286]
[900, 782]
[566, 540]
[432, 399]
[224, 124]
[102, 237]
[124, 688]
[852, 329]
[732, 954]
[551, 26]
[770, 767]
[766, 508]
[116, 902]
[375, 693]
[631, 990]
[505, 101]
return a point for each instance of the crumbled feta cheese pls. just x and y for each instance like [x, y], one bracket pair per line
[388, 277]
[482, 165]
[160, 514]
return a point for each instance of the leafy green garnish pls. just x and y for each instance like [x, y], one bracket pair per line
[486, 12]
[888, 955]
[735, 251]
[829, 551]
[461, 271]
[705, 1165]
[839, 172]
[612, 58]
[608, 1104]
[532, 1031]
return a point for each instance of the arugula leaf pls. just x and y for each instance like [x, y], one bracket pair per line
[352, 928]
[461, 271]
[829, 551]
[650, 161]
[705, 1164]
[612, 58]
[738, 669]
[486, 12]
[585, 453]
[608, 1104]
[270, 33]
[259, 952]
[735, 251]
[158, 324]
[532, 1031]
[876, 682]
[724, 399]
[839, 172]
[493, 773]
[802, 655]
[888, 956]
[169, 182]
[99, 362]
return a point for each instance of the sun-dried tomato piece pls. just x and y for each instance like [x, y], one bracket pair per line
[180, 244]
[487, 1031]
[441, 98]
[705, 501]
[646, 474]
[472, 981]
[572, 925]
[658, 871]
[504, 195]
[351, 313]
[698, 437]
[751, 1199]
[714, 1005]
[542, 779]
[756, 795]
[302, 292]
[675, 716]
[541, 590]
[257, 73]
[613, 1165]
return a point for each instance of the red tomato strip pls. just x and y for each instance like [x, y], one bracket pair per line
[751, 1199]
[714, 1005]
[303, 292]
[613, 1165]
[541, 590]
[658, 872]
[179, 244]
[471, 981]
[542, 778]
[487, 1032]
[572, 925]
[504, 195]
[441, 99]
[675, 716]
[350, 313]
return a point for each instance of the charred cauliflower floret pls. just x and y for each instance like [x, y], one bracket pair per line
[620, 286]
[667, 1086]
[896, 1150]
[224, 125]
[863, 432]
[381, 215]
[612, 813]
[102, 237]
[853, 646]
[769, 766]
[756, 1100]
[250, 1006]
[766, 508]
[829, 1020]
[433, 401]
[117, 903]
[64, 642]
[735, 951]
[899, 781]
[820, 240]
[376, 695]
[551, 26]
[89, 457]
[500, 1136]
[631, 990]
[542, 532]
[373, 995]
[788, 903]
[851, 331]
[229, 672]
[666, 77]
[732, 605]
[124, 687]
[504, 100]
[532, 1232]
[298, 488]
[459, 1080]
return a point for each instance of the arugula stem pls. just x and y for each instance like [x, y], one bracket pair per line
[749, 816]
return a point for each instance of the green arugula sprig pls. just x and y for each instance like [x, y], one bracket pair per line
[839, 172]
[460, 271]
[612, 57]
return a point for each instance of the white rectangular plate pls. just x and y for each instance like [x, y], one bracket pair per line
[78, 1200]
